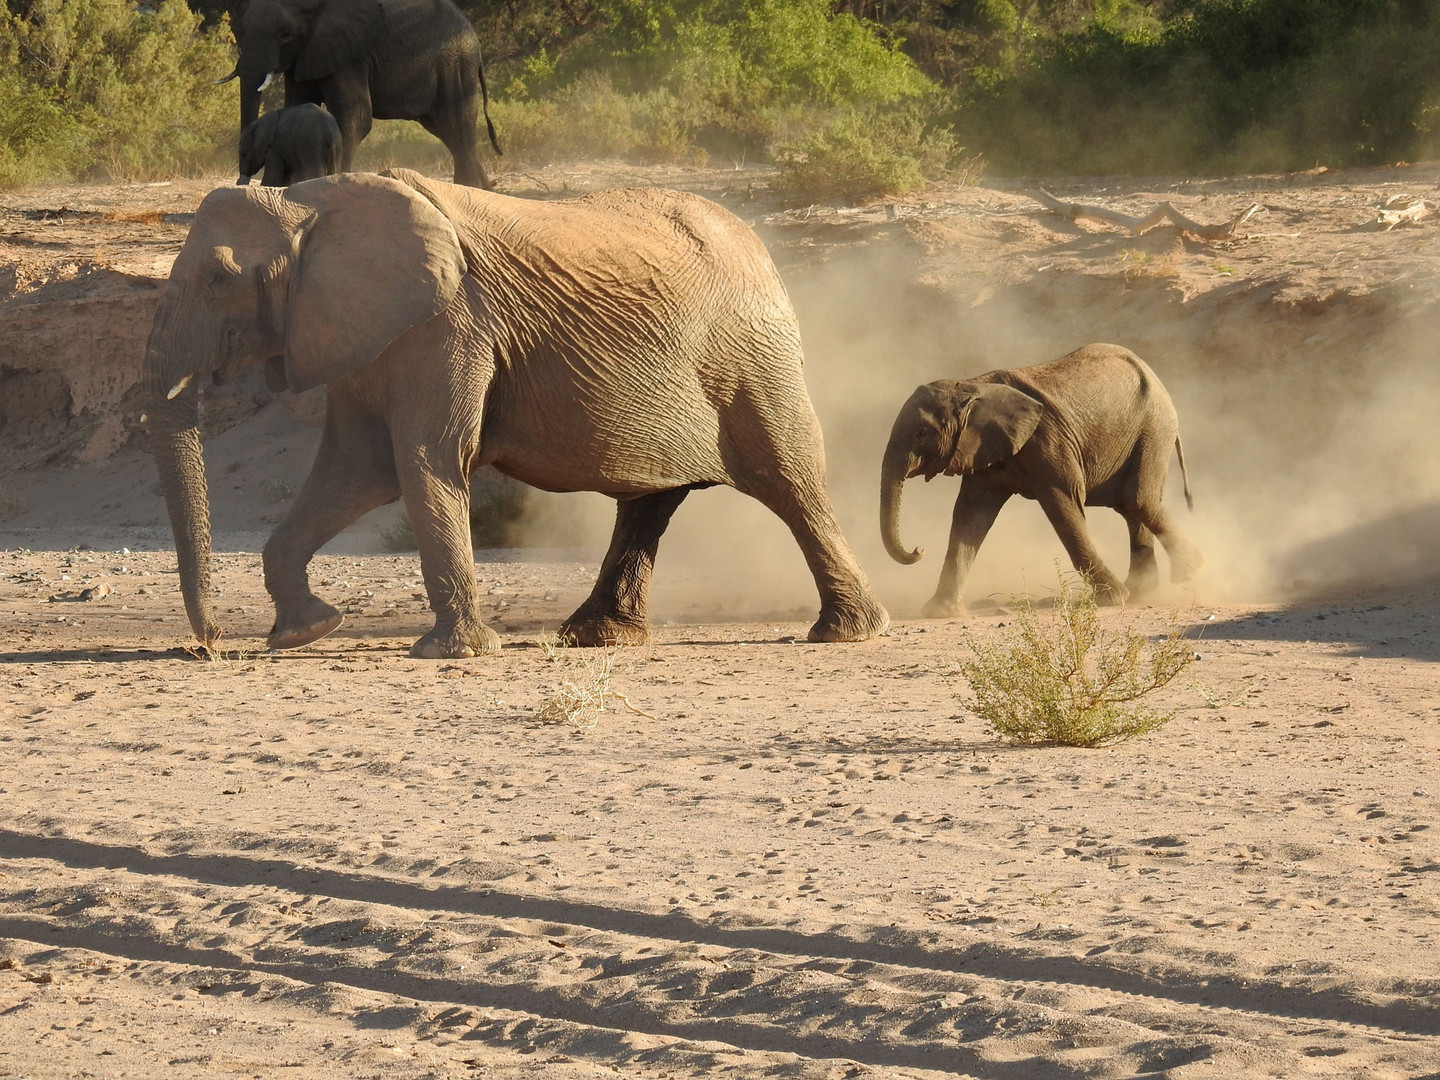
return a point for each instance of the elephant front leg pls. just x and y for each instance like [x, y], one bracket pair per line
[615, 612]
[976, 508]
[352, 475]
[1067, 516]
[438, 508]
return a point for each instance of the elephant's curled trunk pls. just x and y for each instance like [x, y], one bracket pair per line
[175, 445]
[896, 467]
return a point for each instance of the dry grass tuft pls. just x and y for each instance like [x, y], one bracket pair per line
[580, 701]
[1066, 679]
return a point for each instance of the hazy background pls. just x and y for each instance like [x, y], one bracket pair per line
[1313, 466]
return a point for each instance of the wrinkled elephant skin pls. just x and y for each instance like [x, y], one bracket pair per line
[634, 343]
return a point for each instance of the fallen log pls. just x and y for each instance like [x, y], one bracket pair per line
[1137, 225]
[1401, 210]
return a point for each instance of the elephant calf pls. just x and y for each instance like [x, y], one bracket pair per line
[291, 145]
[1094, 428]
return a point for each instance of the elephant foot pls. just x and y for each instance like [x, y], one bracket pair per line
[852, 620]
[1184, 566]
[1137, 588]
[456, 643]
[939, 607]
[590, 633]
[1110, 593]
[311, 623]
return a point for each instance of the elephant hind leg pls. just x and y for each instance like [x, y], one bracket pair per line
[456, 128]
[1144, 574]
[848, 608]
[1143, 504]
[615, 611]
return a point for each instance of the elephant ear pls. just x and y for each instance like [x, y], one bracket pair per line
[994, 424]
[373, 259]
[341, 34]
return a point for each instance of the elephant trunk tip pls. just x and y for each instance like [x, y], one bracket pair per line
[907, 558]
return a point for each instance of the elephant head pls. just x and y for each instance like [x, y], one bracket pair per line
[309, 39]
[314, 282]
[955, 428]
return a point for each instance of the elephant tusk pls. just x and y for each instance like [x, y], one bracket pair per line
[266, 83]
[179, 387]
[233, 75]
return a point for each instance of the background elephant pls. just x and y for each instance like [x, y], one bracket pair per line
[635, 343]
[371, 59]
[294, 144]
[1094, 428]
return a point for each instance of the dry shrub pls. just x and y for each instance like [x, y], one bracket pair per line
[580, 701]
[1066, 679]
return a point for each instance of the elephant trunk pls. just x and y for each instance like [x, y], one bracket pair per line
[257, 64]
[899, 463]
[173, 423]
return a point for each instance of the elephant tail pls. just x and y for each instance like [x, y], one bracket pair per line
[1184, 476]
[485, 107]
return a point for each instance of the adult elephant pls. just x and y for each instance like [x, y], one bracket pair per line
[635, 343]
[371, 59]
[1094, 428]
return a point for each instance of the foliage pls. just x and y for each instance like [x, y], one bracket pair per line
[856, 157]
[1067, 679]
[108, 89]
[686, 79]
[874, 93]
[1219, 85]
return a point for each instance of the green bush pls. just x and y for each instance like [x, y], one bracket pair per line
[1222, 85]
[1069, 680]
[680, 81]
[856, 157]
[108, 89]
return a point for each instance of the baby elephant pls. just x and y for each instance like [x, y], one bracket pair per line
[293, 144]
[1094, 428]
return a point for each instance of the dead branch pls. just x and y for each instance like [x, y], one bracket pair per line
[1402, 210]
[1137, 225]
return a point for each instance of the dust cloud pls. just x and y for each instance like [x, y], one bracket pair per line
[1310, 441]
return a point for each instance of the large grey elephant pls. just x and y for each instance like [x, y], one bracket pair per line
[370, 60]
[1094, 428]
[291, 145]
[634, 343]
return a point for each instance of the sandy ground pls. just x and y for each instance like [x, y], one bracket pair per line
[765, 857]
[801, 860]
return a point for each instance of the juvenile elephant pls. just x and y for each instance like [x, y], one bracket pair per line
[291, 145]
[1094, 428]
[634, 343]
[371, 60]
